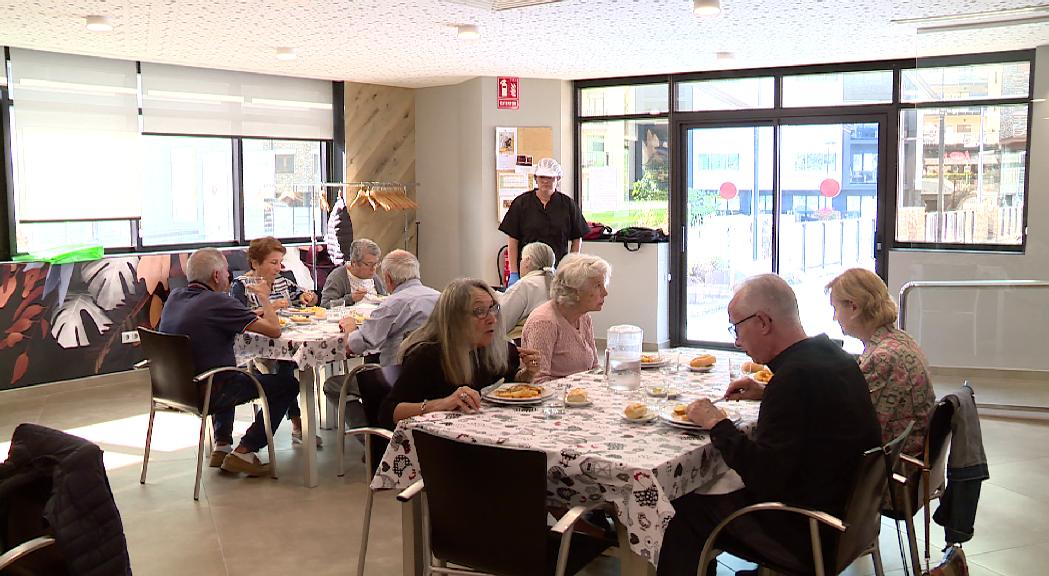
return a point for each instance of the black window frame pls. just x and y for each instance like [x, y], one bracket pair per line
[888, 205]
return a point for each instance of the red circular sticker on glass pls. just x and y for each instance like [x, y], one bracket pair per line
[829, 188]
[728, 191]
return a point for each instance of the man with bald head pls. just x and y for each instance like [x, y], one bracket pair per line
[815, 421]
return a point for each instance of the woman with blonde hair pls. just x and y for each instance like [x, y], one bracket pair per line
[561, 330]
[456, 353]
[892, 362]
[532, 290]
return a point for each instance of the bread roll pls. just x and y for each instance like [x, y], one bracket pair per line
[750, 367]
[762, 376]
[635, 411]
[702, 361]
[576, 395]
[680, 409]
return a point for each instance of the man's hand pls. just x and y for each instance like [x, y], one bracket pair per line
[358, 294]
[280, 303]
[704, 413]
[348, 324]
[745, 388]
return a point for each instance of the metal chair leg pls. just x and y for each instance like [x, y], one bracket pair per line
[200, 457]
[363, 554]
[149, 440]
[879, 570]
[912, 535]
[340, 423]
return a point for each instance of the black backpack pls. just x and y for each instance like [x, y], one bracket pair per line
[638, 236]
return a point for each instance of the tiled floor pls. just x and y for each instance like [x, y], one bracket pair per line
[277, 527]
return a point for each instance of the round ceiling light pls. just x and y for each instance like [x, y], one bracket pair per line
[467, 32]
[285, 53]
[706, 7]
[98, 24]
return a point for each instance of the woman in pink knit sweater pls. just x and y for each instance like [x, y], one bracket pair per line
[561, 330]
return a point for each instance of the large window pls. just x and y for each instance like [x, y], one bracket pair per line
[139, 156]
[962, 175]
[625, 176]
[188, 196]
[275, 202]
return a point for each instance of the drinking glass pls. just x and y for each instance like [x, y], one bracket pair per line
[554, 406]
[658, 392]
[733, 369]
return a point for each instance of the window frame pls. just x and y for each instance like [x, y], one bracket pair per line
[329, 149]
[887, 241]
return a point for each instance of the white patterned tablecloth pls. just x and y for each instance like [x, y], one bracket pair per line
[594, 454]
[313, 344]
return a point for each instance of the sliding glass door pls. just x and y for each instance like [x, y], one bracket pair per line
[795, 197]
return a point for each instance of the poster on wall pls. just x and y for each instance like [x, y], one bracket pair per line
[505, 148]
[509, 94]
[516, 151]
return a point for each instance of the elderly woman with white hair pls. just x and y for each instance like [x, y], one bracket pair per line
[358, 277]
[537, 274]
[561, 330]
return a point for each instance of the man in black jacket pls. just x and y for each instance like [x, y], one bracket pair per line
[816, 419]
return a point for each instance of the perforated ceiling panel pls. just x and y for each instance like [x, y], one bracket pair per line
[413, 43]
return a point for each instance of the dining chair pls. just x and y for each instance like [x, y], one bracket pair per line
[374, 383]
[173, 385]
[925, 479]
[857, 529]
[484, 508]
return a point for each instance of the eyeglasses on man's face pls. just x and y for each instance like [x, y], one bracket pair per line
[732, 327]
[482, 313]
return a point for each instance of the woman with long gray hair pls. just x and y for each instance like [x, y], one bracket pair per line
[456, 353]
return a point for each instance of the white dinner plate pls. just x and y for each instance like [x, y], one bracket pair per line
[671, 392]
[667, 415]
[663, 361]
[488, 394]
[650, 416]
[703, 369]
[578, 404]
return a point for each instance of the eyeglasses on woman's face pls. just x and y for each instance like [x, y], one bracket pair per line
[482, 312]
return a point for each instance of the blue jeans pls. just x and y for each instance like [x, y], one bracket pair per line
[281, 391]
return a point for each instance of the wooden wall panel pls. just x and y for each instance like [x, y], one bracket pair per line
[380, 146]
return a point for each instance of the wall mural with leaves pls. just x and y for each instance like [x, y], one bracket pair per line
[65, 321]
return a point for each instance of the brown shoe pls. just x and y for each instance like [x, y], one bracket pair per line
[216, 458]
[253, 467]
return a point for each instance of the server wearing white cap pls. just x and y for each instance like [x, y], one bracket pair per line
[543, 215]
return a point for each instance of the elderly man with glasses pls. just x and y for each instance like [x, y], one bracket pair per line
[816, 420]
[358, 277]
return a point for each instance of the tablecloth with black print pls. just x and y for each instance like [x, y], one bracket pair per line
[313, 344]
[593, 453]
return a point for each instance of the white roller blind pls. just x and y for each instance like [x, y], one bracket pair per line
[183, 100]
[76, 136]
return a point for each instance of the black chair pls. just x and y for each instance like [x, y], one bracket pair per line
[11, 561]
[858, 528]
[374, 384]
[925, 479]
[485, 509]
[174, 385]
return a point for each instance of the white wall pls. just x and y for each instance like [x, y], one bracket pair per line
[989, 328]
[638, 292]
[455, 168]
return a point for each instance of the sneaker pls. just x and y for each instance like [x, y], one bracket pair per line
[296, 438]
[246, 463]
[217, 455]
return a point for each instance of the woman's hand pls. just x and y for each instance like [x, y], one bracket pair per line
[308, 298]
[260, 289]
[464, 399]
[280, 303]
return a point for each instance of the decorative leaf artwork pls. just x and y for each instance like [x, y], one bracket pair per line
[154, 271]
[21, 289]
[58, 278]
[69, 329]
[110, 280]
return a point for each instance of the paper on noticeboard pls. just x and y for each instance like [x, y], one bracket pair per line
[505, 148]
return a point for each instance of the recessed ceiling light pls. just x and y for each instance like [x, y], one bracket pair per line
[725, 55]
[706, 7]
[285, 53]
[98, 24]
[467, 32]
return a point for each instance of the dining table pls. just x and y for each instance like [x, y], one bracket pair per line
[312, 345]
[593, 452]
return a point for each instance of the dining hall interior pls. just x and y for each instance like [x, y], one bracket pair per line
[369, 165]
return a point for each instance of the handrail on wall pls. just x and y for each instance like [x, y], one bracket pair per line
[906, 289]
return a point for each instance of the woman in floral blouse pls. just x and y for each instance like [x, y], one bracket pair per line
[895, 367]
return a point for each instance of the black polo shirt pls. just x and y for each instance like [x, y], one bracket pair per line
[555, 225]
[211, 320]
